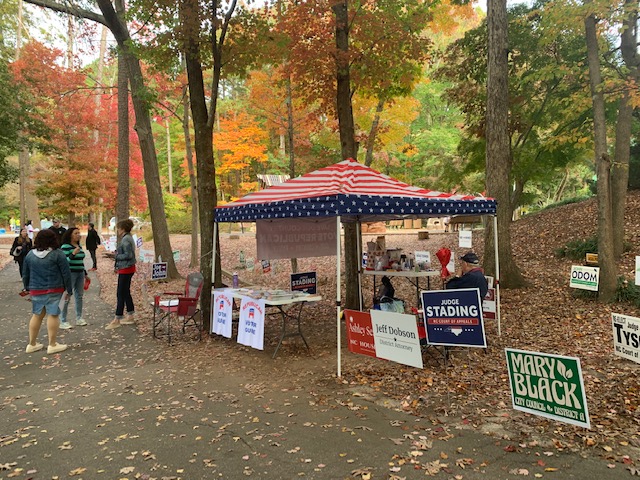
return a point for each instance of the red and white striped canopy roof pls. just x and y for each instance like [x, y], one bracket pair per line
[345, 178]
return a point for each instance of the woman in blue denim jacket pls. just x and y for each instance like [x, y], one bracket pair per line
[125, 267]
[46, 276]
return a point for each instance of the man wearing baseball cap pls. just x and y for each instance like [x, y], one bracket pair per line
[472, 275]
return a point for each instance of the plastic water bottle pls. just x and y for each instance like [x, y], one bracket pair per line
[235, 280]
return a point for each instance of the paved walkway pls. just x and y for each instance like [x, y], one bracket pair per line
[121, 405]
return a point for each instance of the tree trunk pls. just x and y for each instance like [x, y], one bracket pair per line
[606, 259]
[349, 148]
[290, 137]
[143, 129]
[195, 255]
[620, 170]
[498, 149]
[373, 133]
[122, 198]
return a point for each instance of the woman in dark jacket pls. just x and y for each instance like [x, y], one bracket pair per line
[93, 240]
[21, 246]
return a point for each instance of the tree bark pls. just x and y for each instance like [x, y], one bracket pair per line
[195, 225]
[606, 258]
[349, 148]
[143, 129]
[373, 133]
[498, 149]
[122, 198]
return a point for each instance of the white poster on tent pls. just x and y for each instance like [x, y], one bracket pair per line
[222, 313]
[296, 238]
[251, 323]
[465, 238]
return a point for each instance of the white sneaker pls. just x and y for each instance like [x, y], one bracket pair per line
[65, 325]
[57, 348]
[81, 322]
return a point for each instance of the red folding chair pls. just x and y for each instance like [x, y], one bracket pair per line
[181, 305]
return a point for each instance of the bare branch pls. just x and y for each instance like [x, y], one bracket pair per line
[70, 10]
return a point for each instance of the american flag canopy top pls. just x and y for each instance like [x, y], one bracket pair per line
[354, 192]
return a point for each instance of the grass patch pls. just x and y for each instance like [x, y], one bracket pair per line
[578, 249]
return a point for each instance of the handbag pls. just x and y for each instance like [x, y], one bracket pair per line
[87, 282]
[17, 252]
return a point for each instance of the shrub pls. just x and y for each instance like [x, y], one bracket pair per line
[578, 249]
[180, 223]
[627, 292]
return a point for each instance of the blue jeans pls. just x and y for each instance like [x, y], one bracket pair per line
[77, 281]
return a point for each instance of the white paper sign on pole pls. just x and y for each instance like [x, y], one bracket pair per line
[222, 313]
[251, 323]
[396, 337]
[465, 238]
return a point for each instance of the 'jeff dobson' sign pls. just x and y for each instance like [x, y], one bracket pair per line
[585, 278]
[626, 336]
[548, 385]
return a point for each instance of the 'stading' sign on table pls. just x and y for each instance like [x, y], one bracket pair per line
[454, 317]
[304, 282]
[548, 385]
[584, 278]
[626, 336]
[222, 313]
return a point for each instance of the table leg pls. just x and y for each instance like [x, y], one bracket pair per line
[284, 333]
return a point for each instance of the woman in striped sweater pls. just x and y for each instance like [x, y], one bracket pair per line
[75, 255]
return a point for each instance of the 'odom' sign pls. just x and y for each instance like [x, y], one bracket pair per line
[585, 278]
[548, 385]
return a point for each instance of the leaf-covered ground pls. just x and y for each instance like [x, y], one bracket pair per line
[473, 391]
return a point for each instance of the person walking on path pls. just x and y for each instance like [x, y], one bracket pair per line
[21, 246]
[125, 267]
[92, 243]
[75, 255]
[46, 276]
[29, 228]
[58, 230]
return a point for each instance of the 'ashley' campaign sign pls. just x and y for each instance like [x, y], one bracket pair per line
[548, 385]
[454, 317]
[626, 336]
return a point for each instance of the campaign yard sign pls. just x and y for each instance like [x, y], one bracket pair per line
[548, 385]
[222, 313]
[396, 337]
[626, 336]
[360, 332]
[454, 317]
[159, 271]
[304, 282]
[584, 278]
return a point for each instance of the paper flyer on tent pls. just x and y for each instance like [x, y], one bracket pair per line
[251, 324]
[222, 313]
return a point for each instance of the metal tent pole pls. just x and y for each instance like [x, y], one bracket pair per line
[338, 294]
